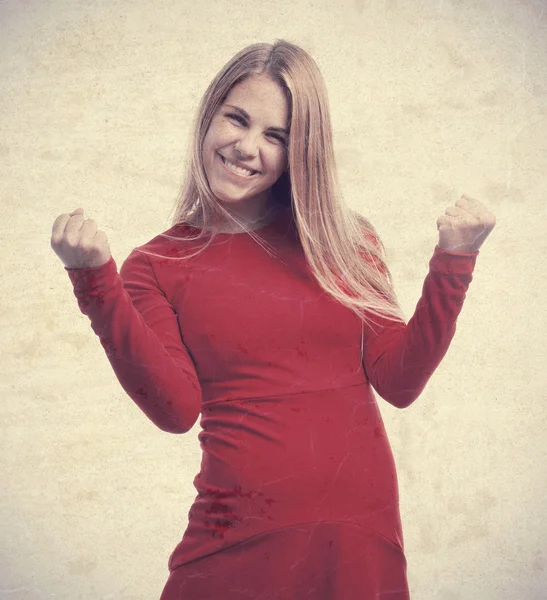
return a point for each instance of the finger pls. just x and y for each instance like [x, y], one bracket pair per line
[100, 237]
[468, 203]
[59, 223]
[88, 229]
[58, 228]
[455, 211]
[65, 217]
[74, 222]
[443, 221]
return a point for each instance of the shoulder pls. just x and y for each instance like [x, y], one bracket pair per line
[158, 262]
[170, 243]
[161, 250]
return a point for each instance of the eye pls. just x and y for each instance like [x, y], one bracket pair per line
[237, 118]
[278, 138]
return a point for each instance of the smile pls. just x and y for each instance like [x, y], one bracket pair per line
[246, 173]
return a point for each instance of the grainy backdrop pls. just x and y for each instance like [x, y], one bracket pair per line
[430, 99]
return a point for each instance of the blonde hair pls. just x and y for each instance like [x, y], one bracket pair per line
[342, 249]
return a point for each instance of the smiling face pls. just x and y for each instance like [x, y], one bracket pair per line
[245, 148]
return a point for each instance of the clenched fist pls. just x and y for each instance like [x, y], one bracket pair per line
[464, 227]
[78, 242]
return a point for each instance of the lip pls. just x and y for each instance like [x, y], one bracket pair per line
[238, 164]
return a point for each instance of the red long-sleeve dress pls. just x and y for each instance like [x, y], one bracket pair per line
[297, 491]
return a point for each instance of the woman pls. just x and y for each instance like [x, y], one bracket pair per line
[277, 344]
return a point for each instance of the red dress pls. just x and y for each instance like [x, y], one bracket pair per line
[297, 491]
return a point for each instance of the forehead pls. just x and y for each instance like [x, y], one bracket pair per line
[261, 97]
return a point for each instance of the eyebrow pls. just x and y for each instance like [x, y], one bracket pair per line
[247, 116]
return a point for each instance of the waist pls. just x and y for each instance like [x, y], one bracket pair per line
[305, 456]
[279, 461]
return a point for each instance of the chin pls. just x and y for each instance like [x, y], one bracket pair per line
[228, 199]
[223, 195]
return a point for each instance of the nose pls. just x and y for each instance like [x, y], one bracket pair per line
[247, 146]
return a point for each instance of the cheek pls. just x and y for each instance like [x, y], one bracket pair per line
[278, 162]
[210, 145]
[220, 133]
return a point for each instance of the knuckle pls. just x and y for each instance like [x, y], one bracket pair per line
[72, 242]
[89, 245]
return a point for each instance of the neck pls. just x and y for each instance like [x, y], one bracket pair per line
[263, 219]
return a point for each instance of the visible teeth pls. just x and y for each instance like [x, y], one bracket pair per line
[237, 169]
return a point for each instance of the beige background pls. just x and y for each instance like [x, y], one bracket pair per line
[430, 99]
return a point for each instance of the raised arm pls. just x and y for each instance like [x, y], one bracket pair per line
[400, 358]
[139, 332]
[135, 323]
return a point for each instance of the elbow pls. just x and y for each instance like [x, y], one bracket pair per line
[400, 398]
[400, 402]
[177, 425]
[172, 409]
[173, 427]
[179, 422]
[174, 418]
[402, 391]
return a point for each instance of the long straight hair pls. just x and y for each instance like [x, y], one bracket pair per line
[342, 248]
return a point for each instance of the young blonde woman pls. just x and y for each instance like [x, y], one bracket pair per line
[268, 309]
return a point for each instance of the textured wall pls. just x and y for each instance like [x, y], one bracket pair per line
[430, 99]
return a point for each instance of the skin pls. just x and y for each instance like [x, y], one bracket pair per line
[253, 141]
[464, 226]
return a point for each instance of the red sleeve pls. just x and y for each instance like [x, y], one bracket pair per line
[400, 358]
[139, 332]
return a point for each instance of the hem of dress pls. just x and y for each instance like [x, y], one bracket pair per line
[396, 545]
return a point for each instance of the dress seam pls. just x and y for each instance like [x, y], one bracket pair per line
[292, 526]
[345, 387]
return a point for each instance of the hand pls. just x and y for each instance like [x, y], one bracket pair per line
[78, 242]
[464, 227]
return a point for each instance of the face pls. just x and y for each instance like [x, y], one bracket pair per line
[245, 148]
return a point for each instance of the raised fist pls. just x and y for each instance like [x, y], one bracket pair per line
[464, 227]
[78, 242]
